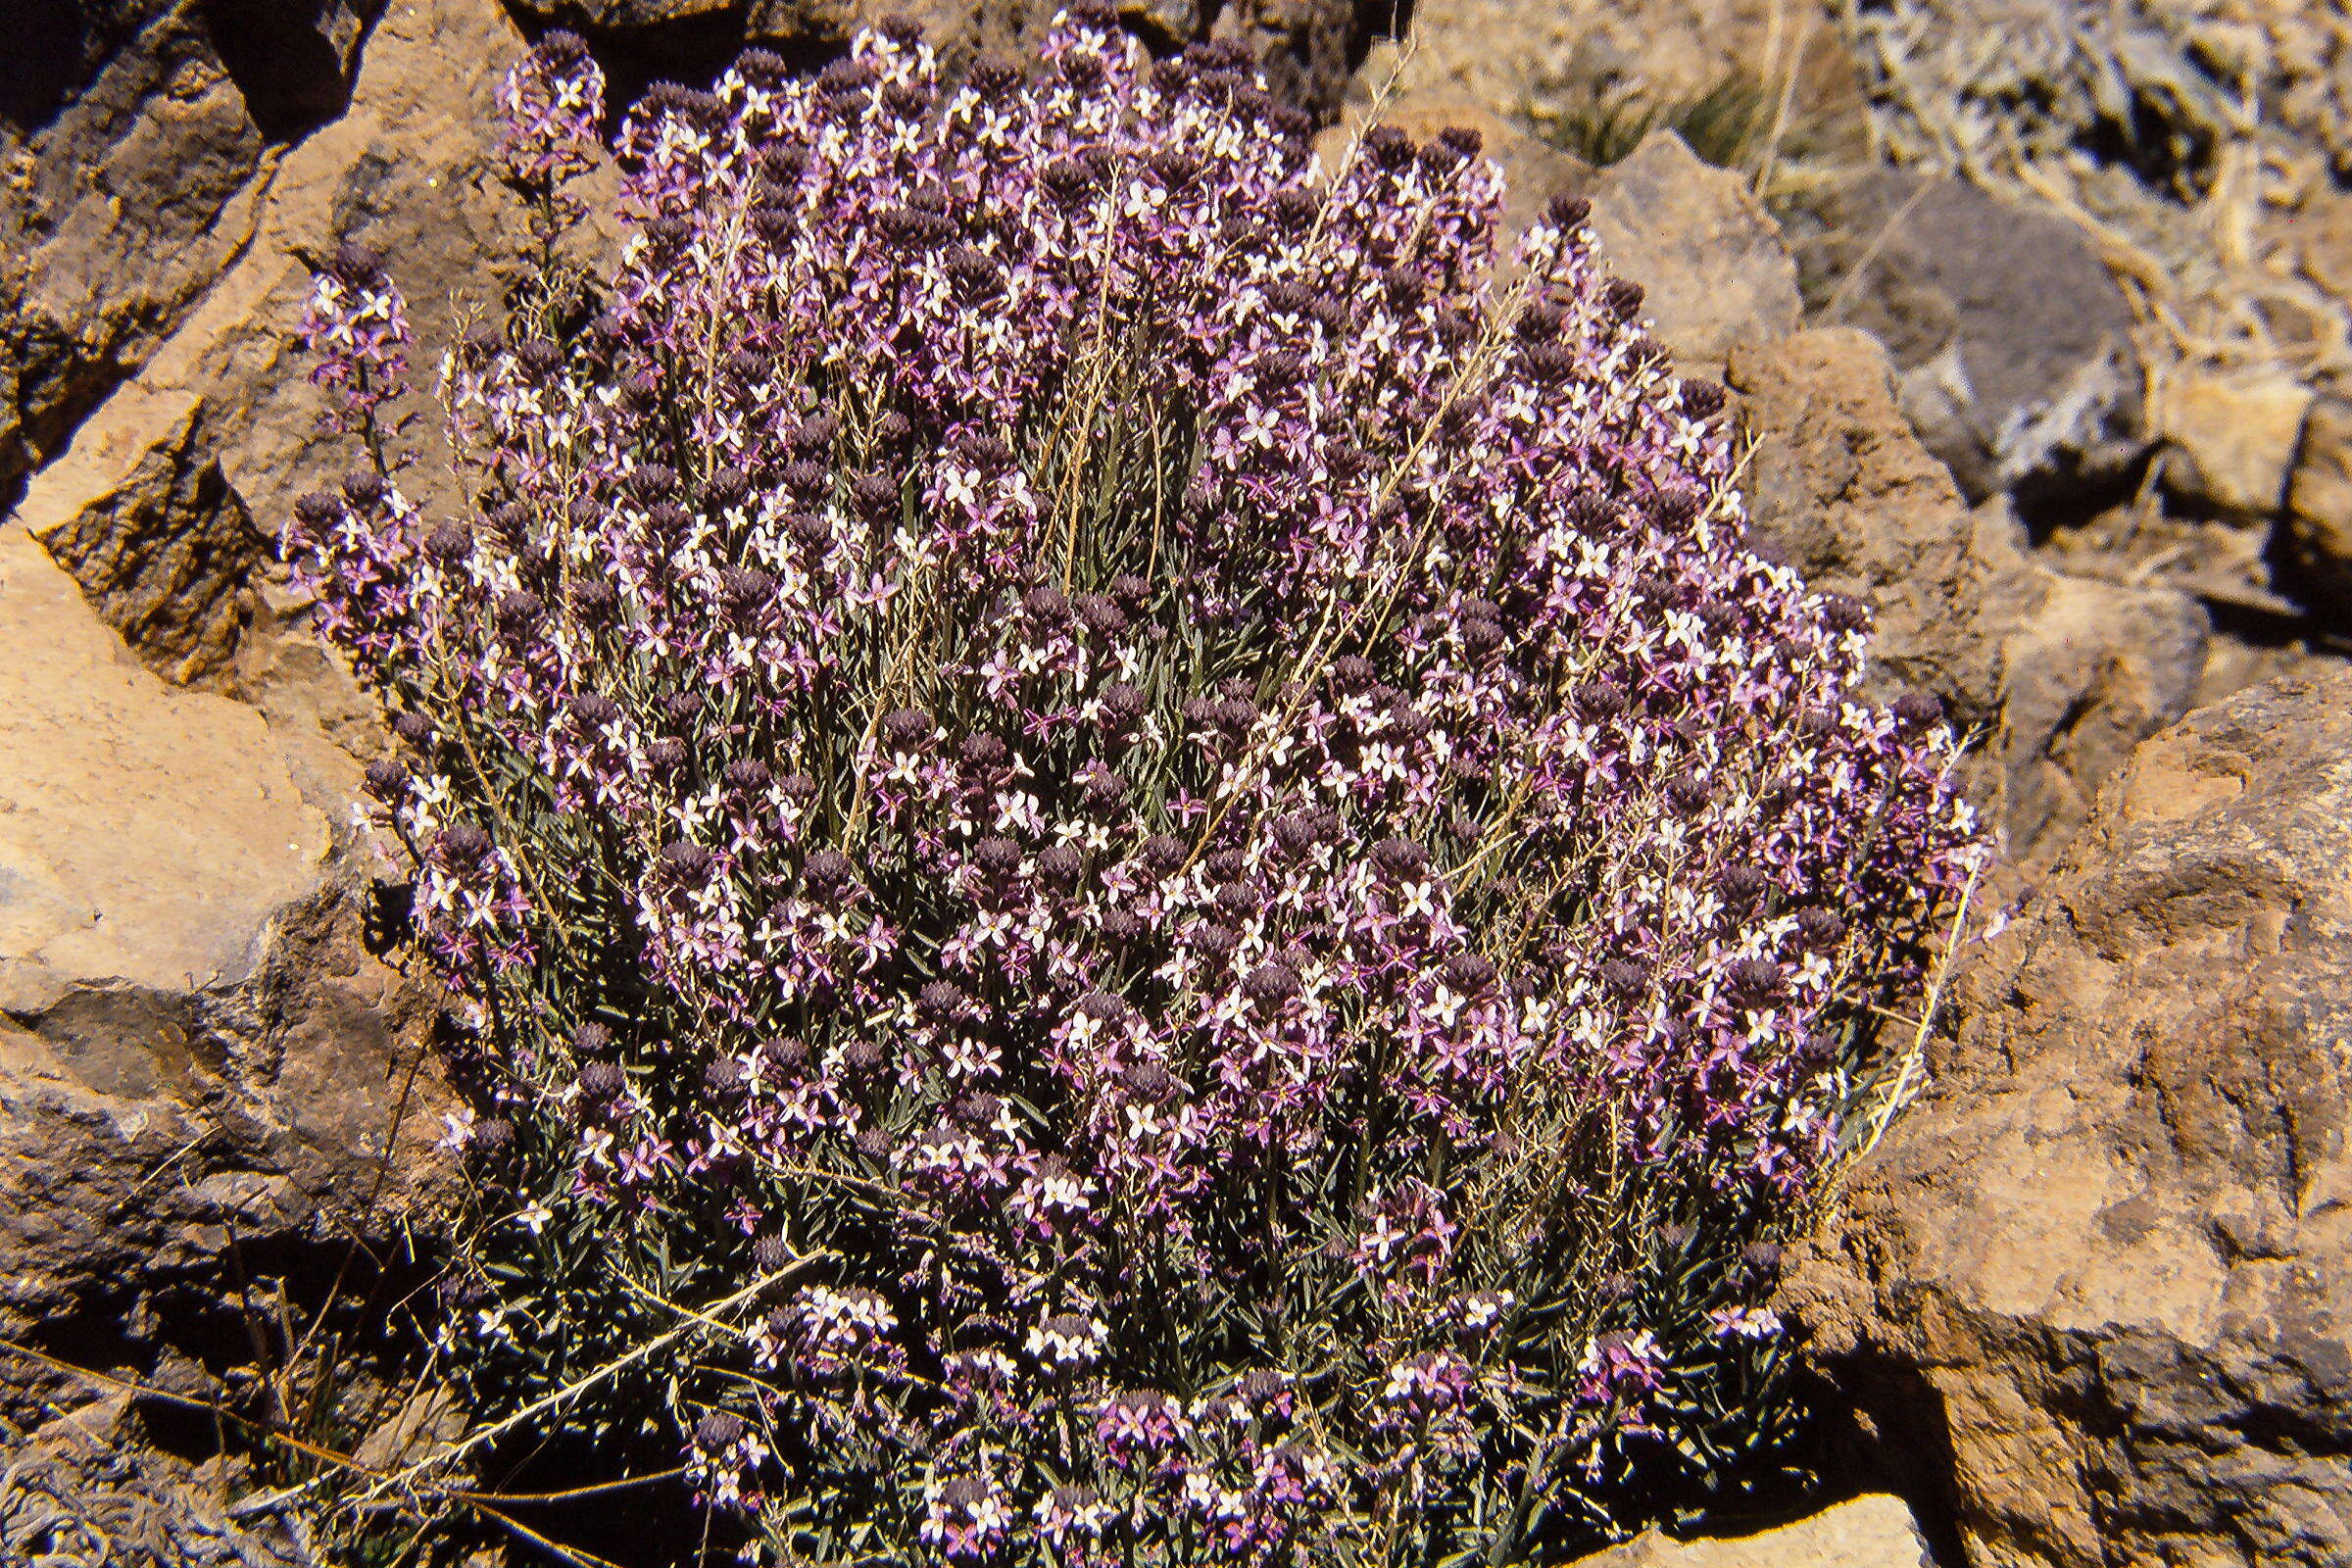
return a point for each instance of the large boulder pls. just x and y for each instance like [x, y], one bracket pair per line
[2054, 677]
[138, 137]
[1872, 1531]
[2103, 1268]
[2012, 339]
[1704, 250]
[164, 503]
[202, 1065]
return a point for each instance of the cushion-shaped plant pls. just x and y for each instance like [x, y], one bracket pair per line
[1127, 843]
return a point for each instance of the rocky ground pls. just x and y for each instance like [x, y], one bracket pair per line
[2044, 351]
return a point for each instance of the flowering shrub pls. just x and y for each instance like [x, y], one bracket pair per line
[1132, 863]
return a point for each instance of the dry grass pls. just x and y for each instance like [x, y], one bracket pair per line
[2157, 127]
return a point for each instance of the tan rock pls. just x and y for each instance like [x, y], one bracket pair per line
[2230, 440]
[165, 551]
[148, 833]
[1702, 245]
[408, 169]
[1632, 58]
[2319, 507]
[137, 141]
[194, 1039]
[1875, 1531]
[2322, 240]
[166, 501]
[2104, 1267]
[2088, 670]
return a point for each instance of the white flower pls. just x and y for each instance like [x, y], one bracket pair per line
[1744, 1323]
[457, 1128]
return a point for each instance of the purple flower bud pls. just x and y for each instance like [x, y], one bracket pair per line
[1272, 984]
[685, 865]
[1844, 613]
[1754, 981]
[462, 847]
[601, 1080]
[745, 776]
[1400, 860]
[828, 875]
[719, 1431]
[1467, 973]
[596, 602]
[1152, 1083]
[387, 780]
[1624, 977]
[1389, 147]
[1059, 867]
[940, 1000]
[983, 753]
[1820, 928]
[1917, 710]
[1686, 794]
[997, 858]
[1701, 399]
[449, 544]
[1743, 884]
[356, 265]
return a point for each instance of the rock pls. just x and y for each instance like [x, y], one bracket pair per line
[2321, 236]
[2088, 670]
[196, 1048]
[1875, 1531]
[1696, 239]
[2101, 1268]
[2317, 532]
[2231, 441]
[2057, 676]
[2225, 558]
[1841, 485]
[137, 140]
[166, 555]
[166, 502]
[148, 834]
[15, 457]
[86, 1478]
[2011, 338]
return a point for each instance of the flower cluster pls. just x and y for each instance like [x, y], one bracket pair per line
[357, 333]
[551, 106]
[1147, 803]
